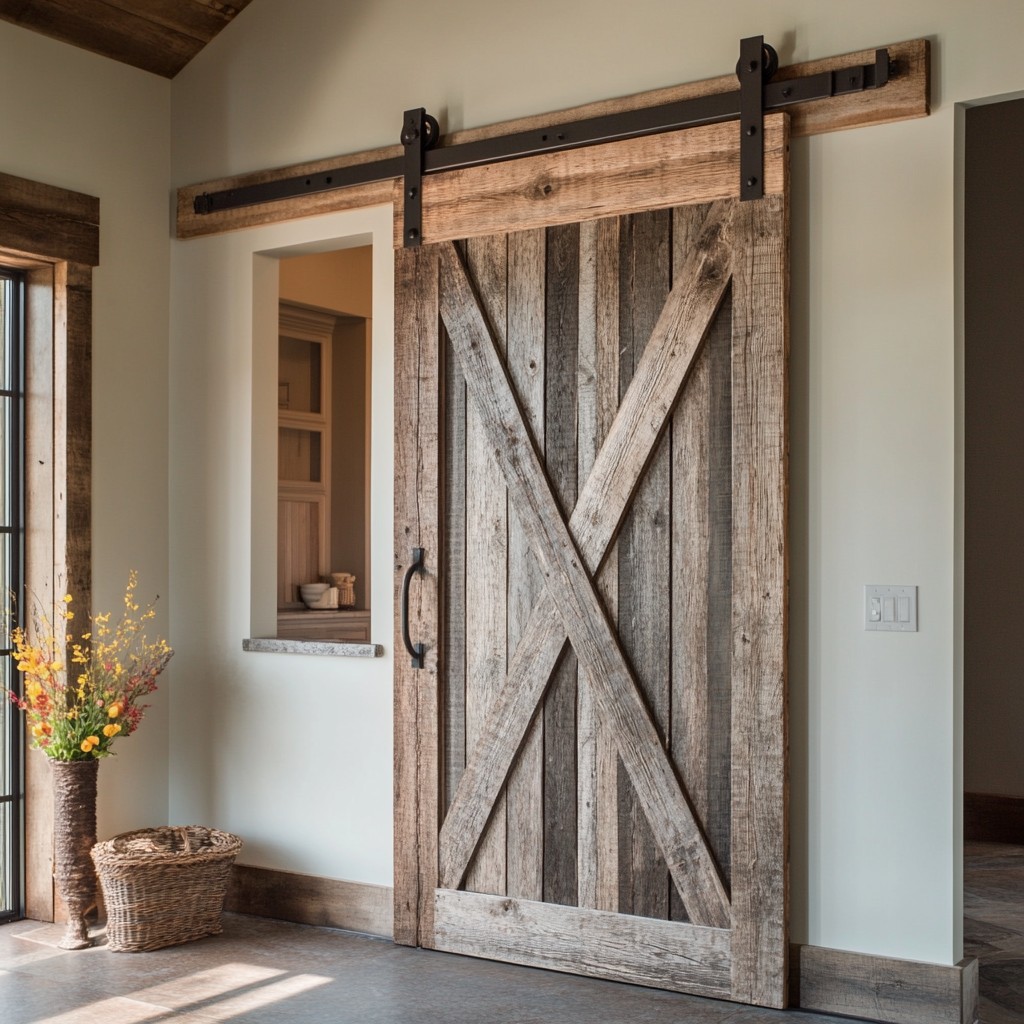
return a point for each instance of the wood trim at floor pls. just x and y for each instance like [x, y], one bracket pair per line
[882, 988]
[311, 899]
[993, 819]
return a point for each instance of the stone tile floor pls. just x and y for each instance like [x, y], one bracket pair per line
[272, 972]
[994, 927]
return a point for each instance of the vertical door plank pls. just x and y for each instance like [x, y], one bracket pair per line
[601, 506]
[644, 554]
[690, 531]
[562, 354]
[453, 669]
[486, 561]
[417, 459]
[570, 586]
[718, 823]
[524, 795]
[759, 836]
[598, 388]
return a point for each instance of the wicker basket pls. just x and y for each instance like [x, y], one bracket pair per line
[164, 886]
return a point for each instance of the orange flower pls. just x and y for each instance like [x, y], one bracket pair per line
[111, 730]
[114, 710]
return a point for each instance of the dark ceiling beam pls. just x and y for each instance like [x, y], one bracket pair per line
[160, 36]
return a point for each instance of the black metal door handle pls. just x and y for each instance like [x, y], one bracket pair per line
[415, 650]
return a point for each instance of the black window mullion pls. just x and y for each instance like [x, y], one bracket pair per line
[12, 536]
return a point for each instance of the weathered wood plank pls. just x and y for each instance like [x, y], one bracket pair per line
[759, 830]
[454, 578]
[561, 358]
[644, 557]
[688, 736]
[885, 989]
[594, 522]
[598, 399]
[578, 605]
[617, 947]
[73, 426]
[694, 166]
[719, 587]
[417, 458]
[46, 222]
[486, 559]
[524, 796]
[905, 97]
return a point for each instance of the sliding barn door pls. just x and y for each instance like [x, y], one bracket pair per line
[591, 450]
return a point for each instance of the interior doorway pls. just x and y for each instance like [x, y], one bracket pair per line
[325, 331]
[993, 306]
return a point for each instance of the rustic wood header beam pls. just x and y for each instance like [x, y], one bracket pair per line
[905, 96]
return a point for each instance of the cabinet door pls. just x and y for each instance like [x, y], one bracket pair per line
[301, 545]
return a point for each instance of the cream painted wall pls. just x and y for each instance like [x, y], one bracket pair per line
[85, 123]
[292, 752]
[268, 745]
[337, 281]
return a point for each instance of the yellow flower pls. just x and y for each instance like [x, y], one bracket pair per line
[89, 742]
[67, 599]
[111, 730]
[114, 710]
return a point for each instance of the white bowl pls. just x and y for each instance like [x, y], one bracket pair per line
[312, 592]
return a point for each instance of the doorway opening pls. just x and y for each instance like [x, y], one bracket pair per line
[325, 330]
[993, 487]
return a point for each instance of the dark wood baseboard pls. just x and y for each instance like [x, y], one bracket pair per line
[883, 989]
[993, 819]
[310, 899]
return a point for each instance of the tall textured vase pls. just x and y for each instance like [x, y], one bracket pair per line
[74, 835]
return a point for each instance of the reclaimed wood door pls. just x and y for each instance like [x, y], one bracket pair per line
[591, 446]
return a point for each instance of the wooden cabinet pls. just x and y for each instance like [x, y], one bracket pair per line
[348, 626]
[303, 451]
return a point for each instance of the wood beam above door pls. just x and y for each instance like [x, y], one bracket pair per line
[905, 96]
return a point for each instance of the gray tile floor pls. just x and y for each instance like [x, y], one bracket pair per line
[271, 972]
[994, 927]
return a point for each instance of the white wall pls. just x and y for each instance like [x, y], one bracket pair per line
[875, 717]
[84, 123]
[292, 752]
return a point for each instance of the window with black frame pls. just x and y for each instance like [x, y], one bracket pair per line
[12, 422]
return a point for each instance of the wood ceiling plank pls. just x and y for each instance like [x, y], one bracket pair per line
[160, 36]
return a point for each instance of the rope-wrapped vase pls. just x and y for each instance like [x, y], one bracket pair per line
[164, 886]
[74, 835]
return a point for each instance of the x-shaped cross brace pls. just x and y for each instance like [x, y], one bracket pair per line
[570, 554]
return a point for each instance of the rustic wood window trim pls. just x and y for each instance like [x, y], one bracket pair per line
[53, 235]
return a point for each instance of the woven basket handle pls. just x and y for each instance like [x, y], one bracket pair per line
[185, 840]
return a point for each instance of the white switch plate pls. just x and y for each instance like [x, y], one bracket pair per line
[890, 609]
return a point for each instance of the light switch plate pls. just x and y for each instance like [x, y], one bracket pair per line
[890, 609]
